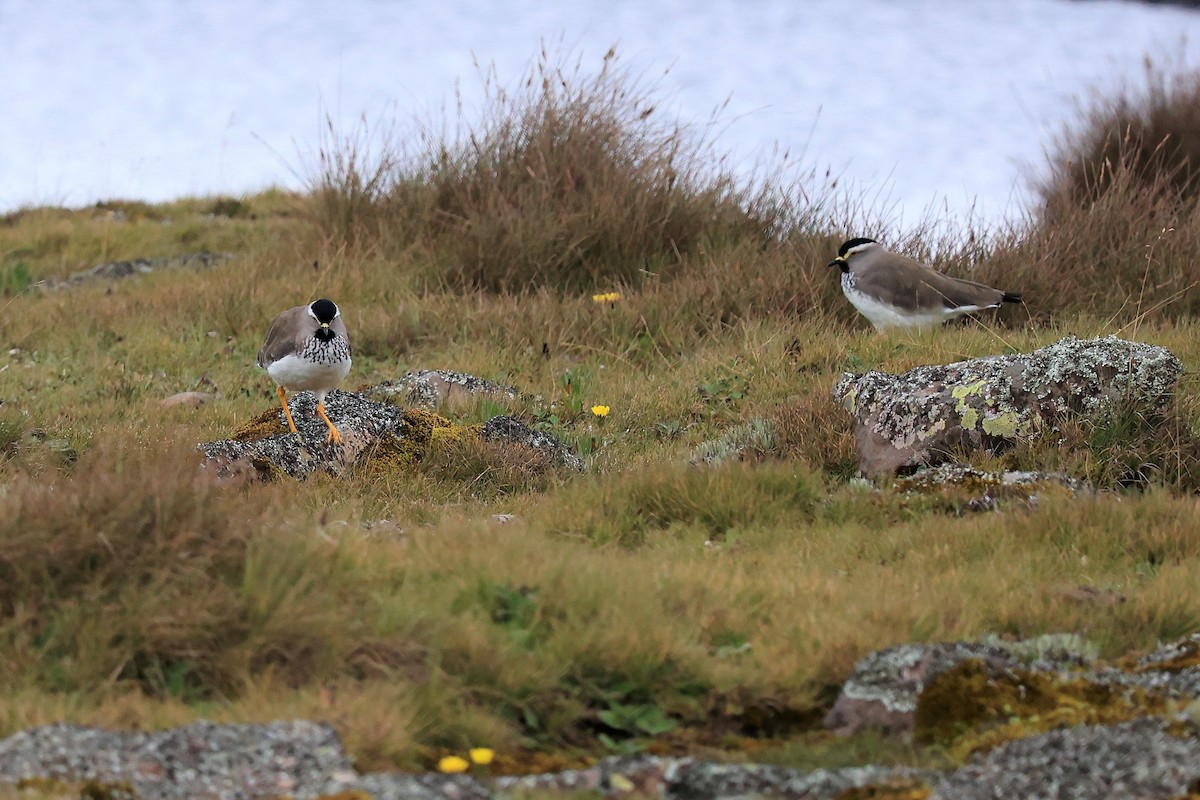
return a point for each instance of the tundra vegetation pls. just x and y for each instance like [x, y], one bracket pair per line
[646, 603]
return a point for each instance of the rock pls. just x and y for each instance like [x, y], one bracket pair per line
[115, 270]
[373, 433]
[882, 691]
[431, 786]
[981, 490]
[190, 399]
[901, 689]
[1137, 759]
[691, 779]
[436, 388]
[927, 414]
[222, 762]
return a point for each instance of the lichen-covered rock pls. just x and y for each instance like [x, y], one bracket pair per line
[373, 433]
[982, 490]
[883, 689]
[692, 779]
[434, 388]
[1137, 759]
[223, 762]
[928, 414]
[969, 696]
[116, 270]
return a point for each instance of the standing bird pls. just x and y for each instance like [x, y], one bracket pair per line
[308, 349]
[894, 291]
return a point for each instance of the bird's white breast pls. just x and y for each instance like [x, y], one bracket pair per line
[299, 374]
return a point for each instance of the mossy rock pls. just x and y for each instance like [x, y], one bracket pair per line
[374, 434]
[972, 707]
[900, 790]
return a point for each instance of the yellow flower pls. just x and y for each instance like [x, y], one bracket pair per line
[607, 297]
[481, 756]
[453, 764]
[600, 411]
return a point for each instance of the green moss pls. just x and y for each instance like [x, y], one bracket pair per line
[422, 430]
[972, 708]
[264, 426]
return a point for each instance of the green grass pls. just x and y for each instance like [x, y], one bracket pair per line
[645, 604]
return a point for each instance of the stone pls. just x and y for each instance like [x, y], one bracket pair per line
[1137, 759]
[885, 688]
[373, 432]
[437, 388]
[931, 413]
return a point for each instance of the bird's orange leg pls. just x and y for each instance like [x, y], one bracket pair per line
[334, 435]
[287, 412]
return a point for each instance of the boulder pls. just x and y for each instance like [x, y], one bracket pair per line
[943, 690]
[436, 388]
[1143, 758]
[379, 433]
[931, 413]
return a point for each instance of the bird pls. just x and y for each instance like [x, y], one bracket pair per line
[895, 291]
[308, 349]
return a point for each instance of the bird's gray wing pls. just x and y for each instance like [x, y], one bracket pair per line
[957, 292]
[283, 336]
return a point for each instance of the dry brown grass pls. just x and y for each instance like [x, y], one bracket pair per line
[1117, 230]
[570, 179]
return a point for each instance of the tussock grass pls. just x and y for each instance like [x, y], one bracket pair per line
[709, 604]
[569, 179]
[1115, 232]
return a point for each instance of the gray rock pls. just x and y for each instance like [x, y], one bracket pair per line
[116, 270]
[927, 414]
[371, 432]
[691, 779]
[882, 691]
[430, 786]
[1137, 759]
[435, 388]
[707, 781]
[201, 760]
[983, 490]
[505, 428]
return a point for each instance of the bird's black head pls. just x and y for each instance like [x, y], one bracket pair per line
[843, 252]
[324, 310]
[850, 244]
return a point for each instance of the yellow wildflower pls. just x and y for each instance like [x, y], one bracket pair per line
[607, 297]
[600, 411]
[453, 764]
[482, 756]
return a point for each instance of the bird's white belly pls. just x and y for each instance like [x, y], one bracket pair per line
[884, 316]
[300, 374]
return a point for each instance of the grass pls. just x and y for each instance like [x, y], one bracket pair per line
[644, 604]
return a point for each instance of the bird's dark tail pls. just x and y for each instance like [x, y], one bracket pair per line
[1011, 297]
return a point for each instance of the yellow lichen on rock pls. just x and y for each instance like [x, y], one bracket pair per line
[968, 414]
[972, 708]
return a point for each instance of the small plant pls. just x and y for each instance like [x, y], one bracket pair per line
[15, 278]
[630, 721]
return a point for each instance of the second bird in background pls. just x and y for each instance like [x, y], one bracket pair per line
[895, 291]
